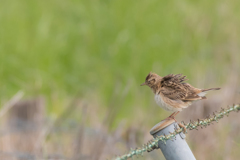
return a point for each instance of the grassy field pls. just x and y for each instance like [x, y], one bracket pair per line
[100, 51]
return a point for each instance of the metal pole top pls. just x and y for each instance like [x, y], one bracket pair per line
[172, 149]
[161, 125]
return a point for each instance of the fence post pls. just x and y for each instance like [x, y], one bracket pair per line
[176, 149]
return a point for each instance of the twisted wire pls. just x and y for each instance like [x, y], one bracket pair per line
[153, 144]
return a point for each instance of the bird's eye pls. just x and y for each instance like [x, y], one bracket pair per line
[151, 81]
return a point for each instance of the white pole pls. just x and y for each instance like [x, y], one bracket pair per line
[176, 149]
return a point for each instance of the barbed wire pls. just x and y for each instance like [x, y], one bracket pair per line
[153, 144]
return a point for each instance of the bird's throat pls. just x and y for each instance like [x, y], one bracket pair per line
[155, 88]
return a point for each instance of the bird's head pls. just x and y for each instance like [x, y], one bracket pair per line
[151, 80]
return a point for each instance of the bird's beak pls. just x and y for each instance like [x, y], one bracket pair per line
[143, 84]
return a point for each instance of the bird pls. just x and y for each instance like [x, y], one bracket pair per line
[172, 93]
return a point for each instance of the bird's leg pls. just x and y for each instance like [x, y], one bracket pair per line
[172, 116]
[180, 124]
[175, 113]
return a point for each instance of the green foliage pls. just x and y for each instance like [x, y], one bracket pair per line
[101, 48]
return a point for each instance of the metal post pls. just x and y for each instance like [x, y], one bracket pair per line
[176, 149]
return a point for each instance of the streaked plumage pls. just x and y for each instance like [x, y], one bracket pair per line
[172, 93]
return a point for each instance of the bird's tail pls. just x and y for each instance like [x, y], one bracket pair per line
[204, 90]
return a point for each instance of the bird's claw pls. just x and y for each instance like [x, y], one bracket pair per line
[183, 127]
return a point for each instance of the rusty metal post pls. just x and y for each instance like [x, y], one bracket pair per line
[176, 149]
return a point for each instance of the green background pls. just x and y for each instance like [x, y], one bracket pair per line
[100, 51]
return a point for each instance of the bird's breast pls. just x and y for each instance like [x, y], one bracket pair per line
[163, 104]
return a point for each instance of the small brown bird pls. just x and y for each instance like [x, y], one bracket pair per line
[172, 94]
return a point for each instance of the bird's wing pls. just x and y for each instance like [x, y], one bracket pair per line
[172, 80]
[173, 87]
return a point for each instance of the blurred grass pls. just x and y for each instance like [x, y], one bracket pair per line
[98, 52]
[100, 49]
